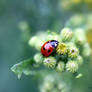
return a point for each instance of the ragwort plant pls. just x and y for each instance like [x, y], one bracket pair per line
[67, 57]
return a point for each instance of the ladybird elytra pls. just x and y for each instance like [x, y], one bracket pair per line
[48, 47]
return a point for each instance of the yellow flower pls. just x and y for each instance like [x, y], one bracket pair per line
[61, 48]
[89, 37]
[88, 1]
[76, 1]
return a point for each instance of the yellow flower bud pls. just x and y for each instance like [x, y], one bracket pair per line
[61, 48]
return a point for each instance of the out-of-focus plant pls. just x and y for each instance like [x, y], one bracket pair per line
[54, 83]
[84, 21]
[25, 30]
[76, 4]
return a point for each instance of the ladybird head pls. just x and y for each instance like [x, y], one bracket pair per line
[54, 43]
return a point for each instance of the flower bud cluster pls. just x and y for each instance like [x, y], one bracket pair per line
[70, 52]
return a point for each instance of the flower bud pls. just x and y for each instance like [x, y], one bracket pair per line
[48, 86]
[72, 51]
[86, 50]
[60, 66]
[39, 44]
[49, 37]
[61, 85]
[66, 34]
[53, 36]
[61, 48]
[79, 36]
[76, 20]
[50, 62]
[33, 41]
[57, 37]
[79, 60]
[38, 58]
[72, 66]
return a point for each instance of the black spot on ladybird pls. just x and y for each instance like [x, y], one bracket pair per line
[43, 48]
[48, 50]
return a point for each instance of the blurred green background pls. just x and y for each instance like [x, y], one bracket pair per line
[40, 15]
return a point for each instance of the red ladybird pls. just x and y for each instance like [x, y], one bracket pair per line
[48, 47]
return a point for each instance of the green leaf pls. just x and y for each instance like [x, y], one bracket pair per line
[23, 68]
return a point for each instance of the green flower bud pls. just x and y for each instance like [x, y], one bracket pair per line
[53, 36]
[66, 34]
[86, 50]
[61, 48]
[48, 86]
[76, 21]
[33, 41]
[79, 60]
[39, 44]
[57, 37]
[36, 42]
[50, 62]
[42, 89]
[72, 51]
[72, 66]
[79, 36]
[60, 67]
[38, 58]
[61, 86]
[49, 37]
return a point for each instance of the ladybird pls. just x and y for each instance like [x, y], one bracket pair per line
[48, 47]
